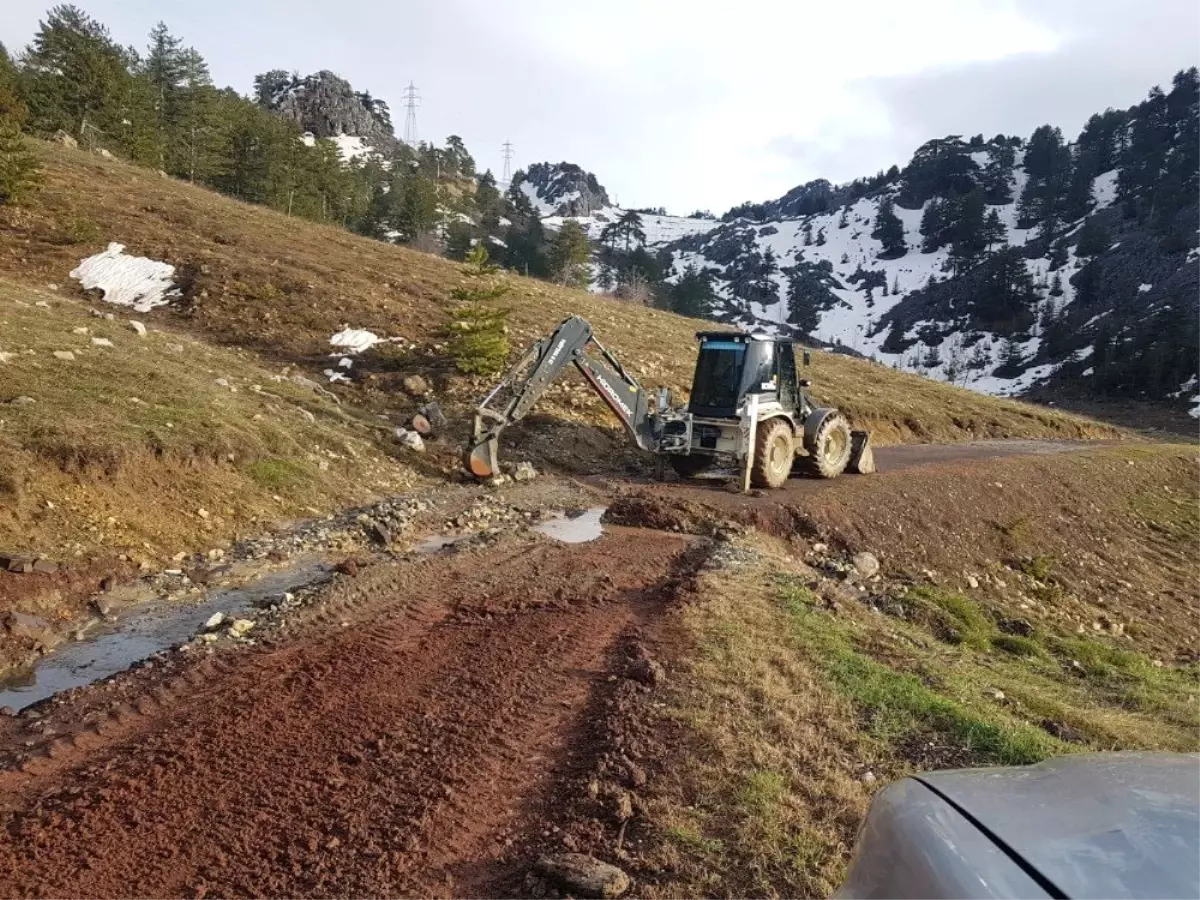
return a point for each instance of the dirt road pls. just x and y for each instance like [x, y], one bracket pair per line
[420, 731]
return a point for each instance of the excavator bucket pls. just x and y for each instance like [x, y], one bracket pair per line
[862, 458]
[481, 457]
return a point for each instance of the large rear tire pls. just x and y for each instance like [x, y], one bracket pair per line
[690, 465]
[830, 450]
[774, 452]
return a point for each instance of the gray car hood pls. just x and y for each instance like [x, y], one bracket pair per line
[1093, 825]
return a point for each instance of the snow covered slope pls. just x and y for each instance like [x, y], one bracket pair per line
[862, 304]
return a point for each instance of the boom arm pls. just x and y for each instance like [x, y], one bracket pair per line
[532, 374]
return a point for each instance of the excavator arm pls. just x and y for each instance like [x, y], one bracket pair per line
[511, 399]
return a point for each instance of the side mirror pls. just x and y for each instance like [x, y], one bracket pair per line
[807, 359]
[804, 382]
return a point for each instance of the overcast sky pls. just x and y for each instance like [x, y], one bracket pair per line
[690, 103]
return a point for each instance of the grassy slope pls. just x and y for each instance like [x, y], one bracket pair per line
[124, 445]
[792, 688]
[280, 286]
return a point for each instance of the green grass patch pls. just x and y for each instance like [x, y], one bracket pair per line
[1040, 566]
[899, 706]
[951, 617]
[690, 837]
[1018, 645]
[279, 474]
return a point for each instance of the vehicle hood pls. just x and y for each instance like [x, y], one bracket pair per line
[1093, 825]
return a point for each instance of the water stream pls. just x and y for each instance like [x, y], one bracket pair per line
[142, 631]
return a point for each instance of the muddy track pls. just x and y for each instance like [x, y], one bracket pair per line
[401, 753]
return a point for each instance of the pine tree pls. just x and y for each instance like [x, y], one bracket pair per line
[526, 241]
[994, 232]
[75, 78]
[629, 226]
[1056, 286]
[1093, 238]
[416, 213]
[889, 231]
[820, 242]
[844, 219]
[1048, 167]
[270, 85]
[19, 169]
[478, 334]
[933, 226]
[808, 235]
[997, 174]
[968, 232]
[569, 255]
[802, 311]
[693, 295]
[459, 240]
[1012, 358]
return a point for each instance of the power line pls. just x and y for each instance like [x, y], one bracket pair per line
[508, 157]
[411, 101]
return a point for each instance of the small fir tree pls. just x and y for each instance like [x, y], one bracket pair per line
[478, 335]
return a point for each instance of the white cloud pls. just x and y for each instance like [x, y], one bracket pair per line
[695, 104]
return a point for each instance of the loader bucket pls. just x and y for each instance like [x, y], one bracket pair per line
[862, 458]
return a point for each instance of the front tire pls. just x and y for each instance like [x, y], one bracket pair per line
[830, 450]
[774, 452]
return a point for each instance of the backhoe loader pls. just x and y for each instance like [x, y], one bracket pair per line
[747, 408]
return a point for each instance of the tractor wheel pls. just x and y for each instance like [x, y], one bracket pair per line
[830, 450]
[774, 452]
[689, 465]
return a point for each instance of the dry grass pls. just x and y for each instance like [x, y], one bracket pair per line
[123, 445]
[759, 798]
[261, 280]
[784, 703]
[1110, 536]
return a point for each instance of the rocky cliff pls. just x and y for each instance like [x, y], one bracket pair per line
[328, 107]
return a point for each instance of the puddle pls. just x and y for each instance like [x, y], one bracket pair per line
[139, 633]
[574, 527]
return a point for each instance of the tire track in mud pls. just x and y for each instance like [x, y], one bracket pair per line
[402, 755]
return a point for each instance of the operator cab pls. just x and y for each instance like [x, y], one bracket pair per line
[734, 364]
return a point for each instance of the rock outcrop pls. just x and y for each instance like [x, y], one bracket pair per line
[565, 189]
[327, 106]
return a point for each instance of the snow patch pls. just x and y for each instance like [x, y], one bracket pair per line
[1104, 189]
[1143, 288]
[355, 340]
[351, 147]
[133, 281]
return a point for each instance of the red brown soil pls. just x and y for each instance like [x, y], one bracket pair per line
[411, 751]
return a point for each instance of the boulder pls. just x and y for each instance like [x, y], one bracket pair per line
[61, 137]
[524, 472]
[240, 627]
[33, 629]
[415, 385]
[413, 441]
[15, 562]
[583, 876]
[866, 564]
